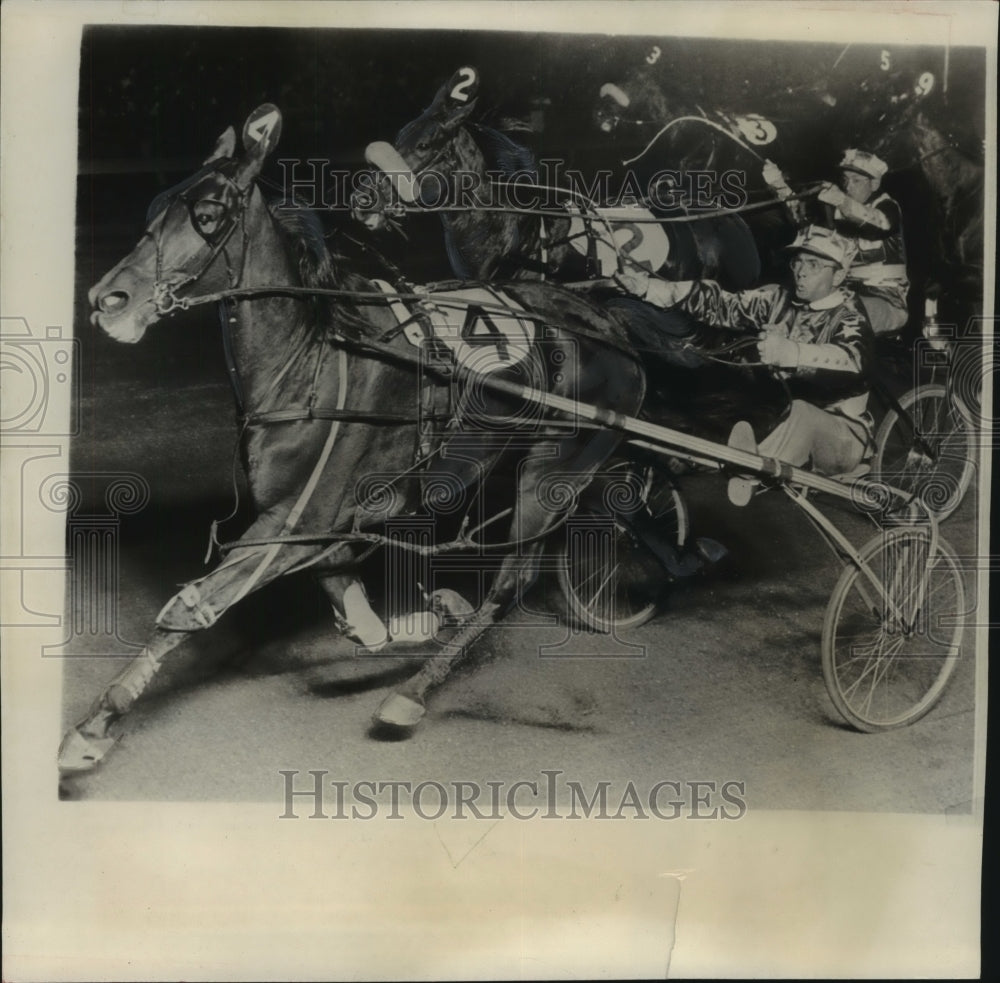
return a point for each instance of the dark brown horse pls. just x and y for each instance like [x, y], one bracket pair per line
[330, 388]
[650, 122]
[919, 131]
[499, 221]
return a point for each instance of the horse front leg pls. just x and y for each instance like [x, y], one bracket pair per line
[404, 708]
[196, 606]
[89, 741]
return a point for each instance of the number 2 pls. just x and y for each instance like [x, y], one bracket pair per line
[459, 91]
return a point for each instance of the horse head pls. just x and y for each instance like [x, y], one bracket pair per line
[917, 119]
[637, 100]
[426, 152]
[190, 236]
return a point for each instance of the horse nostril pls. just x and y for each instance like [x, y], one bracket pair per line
[112, 301]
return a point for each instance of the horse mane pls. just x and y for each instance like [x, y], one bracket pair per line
[305, 235]
[962, 140]
[324, 269]
[501, 152]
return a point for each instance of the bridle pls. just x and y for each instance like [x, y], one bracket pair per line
[235, 199]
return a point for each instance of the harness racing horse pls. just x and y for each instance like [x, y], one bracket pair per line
[653, 125]
[953, 168]
[692, 391]
[500, 222]
[329, 387]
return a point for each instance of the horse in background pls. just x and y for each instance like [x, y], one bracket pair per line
[330, 394]
[499, 221]
[653, 123]
[691, 389]
[916, 133]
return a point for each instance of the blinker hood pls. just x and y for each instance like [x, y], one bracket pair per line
[387, 159]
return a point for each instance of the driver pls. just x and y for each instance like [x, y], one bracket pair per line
[873, 220]
[818, 340]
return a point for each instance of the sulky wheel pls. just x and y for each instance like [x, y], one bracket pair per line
[607, 573]
[893, 629]
[928, 450]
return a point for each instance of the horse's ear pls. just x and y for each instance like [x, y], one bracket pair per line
[260, 136]
[225, 147]
[457, 97]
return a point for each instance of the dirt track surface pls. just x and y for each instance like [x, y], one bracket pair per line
[724, 685]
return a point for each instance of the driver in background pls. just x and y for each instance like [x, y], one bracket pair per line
[874, 221]
[817, 339]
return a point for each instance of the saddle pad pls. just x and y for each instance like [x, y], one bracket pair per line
[479, 325]
[631, 232]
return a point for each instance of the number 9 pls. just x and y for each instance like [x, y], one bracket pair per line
[924, 84]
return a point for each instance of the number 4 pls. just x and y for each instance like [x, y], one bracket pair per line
[261, 129]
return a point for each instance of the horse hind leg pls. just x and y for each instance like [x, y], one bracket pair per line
[546, 491]
[405, 707]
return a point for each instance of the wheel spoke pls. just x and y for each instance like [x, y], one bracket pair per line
[607, 574]
[602, 586]
[890, 674]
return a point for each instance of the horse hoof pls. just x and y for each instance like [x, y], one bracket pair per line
[79, 753]
[399, 711]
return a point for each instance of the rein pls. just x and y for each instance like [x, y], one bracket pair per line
[694, 119]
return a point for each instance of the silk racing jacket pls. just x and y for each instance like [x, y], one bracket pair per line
[879, 269]
[836, 342]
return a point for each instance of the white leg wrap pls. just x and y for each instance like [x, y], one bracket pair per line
[363, 623]
[187, 611]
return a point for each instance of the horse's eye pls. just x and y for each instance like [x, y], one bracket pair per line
[208, 216]
[423, 146]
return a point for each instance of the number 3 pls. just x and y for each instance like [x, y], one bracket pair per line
[757, 129]
[467, 78]
[654, 56]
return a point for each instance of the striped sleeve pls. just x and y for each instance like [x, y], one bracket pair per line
[748, 310]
